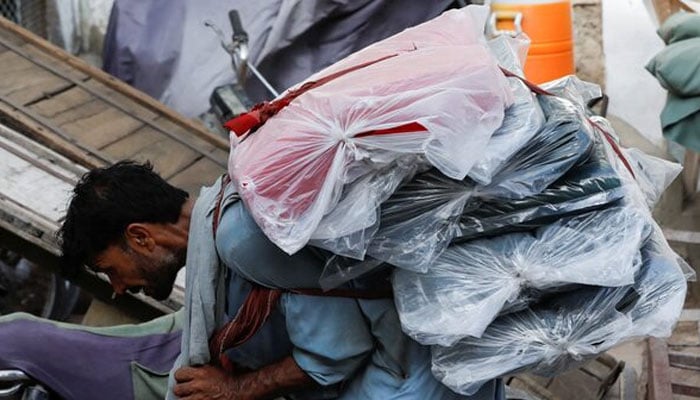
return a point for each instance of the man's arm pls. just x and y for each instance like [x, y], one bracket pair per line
[209, 382]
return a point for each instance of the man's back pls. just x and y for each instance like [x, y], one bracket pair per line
[353, 347]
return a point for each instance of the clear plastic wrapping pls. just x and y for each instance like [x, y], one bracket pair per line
[433, 91]
[421, 218]
[565, 140]
[348, 228]
[471, 283]
[522, 120]
[568, 328]
[652, 174]
[591, 185]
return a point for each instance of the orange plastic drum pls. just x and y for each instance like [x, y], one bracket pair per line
[549, 26]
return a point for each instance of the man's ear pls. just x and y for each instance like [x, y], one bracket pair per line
[139, 237]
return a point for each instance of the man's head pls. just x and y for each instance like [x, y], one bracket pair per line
[129, 223]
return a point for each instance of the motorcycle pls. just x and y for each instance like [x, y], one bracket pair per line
[16, 385]
[26, 287]
[227, 101]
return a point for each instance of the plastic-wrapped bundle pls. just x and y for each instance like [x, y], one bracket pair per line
[653, 174]
[470, 284]
[522, 120]
[346, 230]
[591, 185]
[565, 140]
[421, 217]
[560, 333]
[572, 88]
[433, 90]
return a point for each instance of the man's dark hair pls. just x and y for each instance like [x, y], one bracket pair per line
[106, 201]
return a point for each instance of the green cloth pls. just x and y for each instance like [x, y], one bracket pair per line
[164, 324]
[680, 26]
[148, 384]
[680, 121]
[677, 67]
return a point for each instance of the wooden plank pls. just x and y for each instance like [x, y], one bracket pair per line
[666, 8]
[99, 128]
[689, 176]
[195, 128]
[69, 100]
[34, 152]
[146, 144]
[659, 385]
[97, 124]
[46, 194]
[41, 59]
[123, 100]
[44, 135]
[220, 154]
[90, 121]
[675, 235]
[202, 173]
[24, 82]
[130, 145]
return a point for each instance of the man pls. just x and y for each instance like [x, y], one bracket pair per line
[127, 222]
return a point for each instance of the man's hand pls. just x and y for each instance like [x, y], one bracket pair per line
[207, 382]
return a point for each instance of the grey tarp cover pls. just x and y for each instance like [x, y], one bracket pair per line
[163, 48]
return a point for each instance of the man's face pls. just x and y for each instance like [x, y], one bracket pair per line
[127, 269]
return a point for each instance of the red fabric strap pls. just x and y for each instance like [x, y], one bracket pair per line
[256, 309]
[259, 114]
[260, 303]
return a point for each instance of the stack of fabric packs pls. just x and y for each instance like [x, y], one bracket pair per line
[521, 234]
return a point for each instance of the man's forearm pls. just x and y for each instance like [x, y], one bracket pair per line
[209, 382]
[274, 380]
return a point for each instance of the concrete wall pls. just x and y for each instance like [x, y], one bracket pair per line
[588, 41]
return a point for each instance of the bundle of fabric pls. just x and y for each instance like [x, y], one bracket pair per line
[591, 185]
[520, 237]
[522, 120]
[545, 300]
[421, 218]
[471, 283]
[569, 328]
[434, 92]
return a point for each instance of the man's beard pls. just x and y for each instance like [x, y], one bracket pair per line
[160, 273]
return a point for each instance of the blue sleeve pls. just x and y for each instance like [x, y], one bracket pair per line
[330, 336]
[331, 339]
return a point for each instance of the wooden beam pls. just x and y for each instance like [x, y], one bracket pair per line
[659, 371]
[666, 8]
[16, 119]
[145, 100]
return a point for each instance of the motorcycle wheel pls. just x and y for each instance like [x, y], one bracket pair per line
[29, 288]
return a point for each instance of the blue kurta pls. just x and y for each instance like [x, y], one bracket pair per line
[353, 348]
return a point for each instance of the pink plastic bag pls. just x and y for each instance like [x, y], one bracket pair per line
[433, 91]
